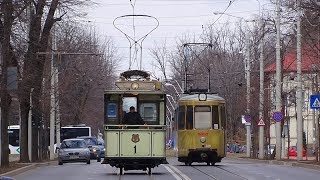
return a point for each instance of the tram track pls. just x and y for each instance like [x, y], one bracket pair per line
[117, 172]
[215, 178]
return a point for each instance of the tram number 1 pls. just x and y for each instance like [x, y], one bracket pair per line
[135, 149]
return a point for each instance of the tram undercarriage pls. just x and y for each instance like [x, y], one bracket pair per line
[209, 156]
[134, 163]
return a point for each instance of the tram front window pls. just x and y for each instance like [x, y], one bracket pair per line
[128, 102]
[189, 121]
[149, 112]
[202, 117]
[215, 117]
[181, 118]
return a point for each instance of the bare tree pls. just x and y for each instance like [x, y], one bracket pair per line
[160, 54]
[6, 58]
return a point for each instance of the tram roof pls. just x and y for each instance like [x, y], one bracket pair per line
[195, 97]
[132, 92]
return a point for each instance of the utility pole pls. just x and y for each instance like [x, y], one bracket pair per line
[299, 86]
[30, 127]
[52, 110]
[278, 82]
[261, 93]
[248, 69]
[1, 49]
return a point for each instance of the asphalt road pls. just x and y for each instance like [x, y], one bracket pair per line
[227, 170]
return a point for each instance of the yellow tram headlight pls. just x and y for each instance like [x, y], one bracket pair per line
[203, 139]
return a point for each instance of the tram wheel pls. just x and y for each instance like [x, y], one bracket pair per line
[149, 171]
[188, 163]
[213, 163]
[121, 171]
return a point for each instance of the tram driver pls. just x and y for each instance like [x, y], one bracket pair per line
[133, 117]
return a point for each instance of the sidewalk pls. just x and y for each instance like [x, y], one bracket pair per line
[308, 162]
[16, 168]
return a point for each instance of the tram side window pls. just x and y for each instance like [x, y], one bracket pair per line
[189, 117]
[181, 118]
[202, 117]
[215, 117]
[223, 117]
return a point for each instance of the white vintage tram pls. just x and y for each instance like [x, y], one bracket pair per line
[135, 147]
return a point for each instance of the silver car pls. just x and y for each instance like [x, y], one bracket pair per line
[73, 150]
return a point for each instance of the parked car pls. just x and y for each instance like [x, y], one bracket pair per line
[293, 151]
[102, 148]
[92, 142]
[73, 150]
[271, 148]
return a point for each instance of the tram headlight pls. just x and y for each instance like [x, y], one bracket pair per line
[203, 139]
[134, 85]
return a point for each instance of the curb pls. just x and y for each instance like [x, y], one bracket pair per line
[283, 163]
[26, 168]
[18, 171]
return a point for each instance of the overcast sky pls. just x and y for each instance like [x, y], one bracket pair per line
[176, 18]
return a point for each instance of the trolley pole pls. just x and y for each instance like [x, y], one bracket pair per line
[299, 87]
[278, 100]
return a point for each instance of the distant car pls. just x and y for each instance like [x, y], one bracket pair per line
[271, 148]
[102, 148]
[73, 150]
[92, 142]
[293, 151]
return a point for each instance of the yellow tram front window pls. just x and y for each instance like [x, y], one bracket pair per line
[202, 117]
[181, 117]
[189, 117]
[215, 117]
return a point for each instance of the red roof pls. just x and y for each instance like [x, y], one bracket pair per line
[309, 60]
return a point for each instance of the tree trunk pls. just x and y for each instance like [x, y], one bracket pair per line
[24, 113]
[33, 71]
[5, 97]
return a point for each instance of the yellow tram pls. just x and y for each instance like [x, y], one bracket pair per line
[200, 122]
[135, 147]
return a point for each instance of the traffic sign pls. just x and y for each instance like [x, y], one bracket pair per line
[277, 116]
[247, 118]
[315, 101]
[261, 122]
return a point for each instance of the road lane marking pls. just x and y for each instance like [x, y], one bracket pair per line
[179, 172]
[172, 172]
